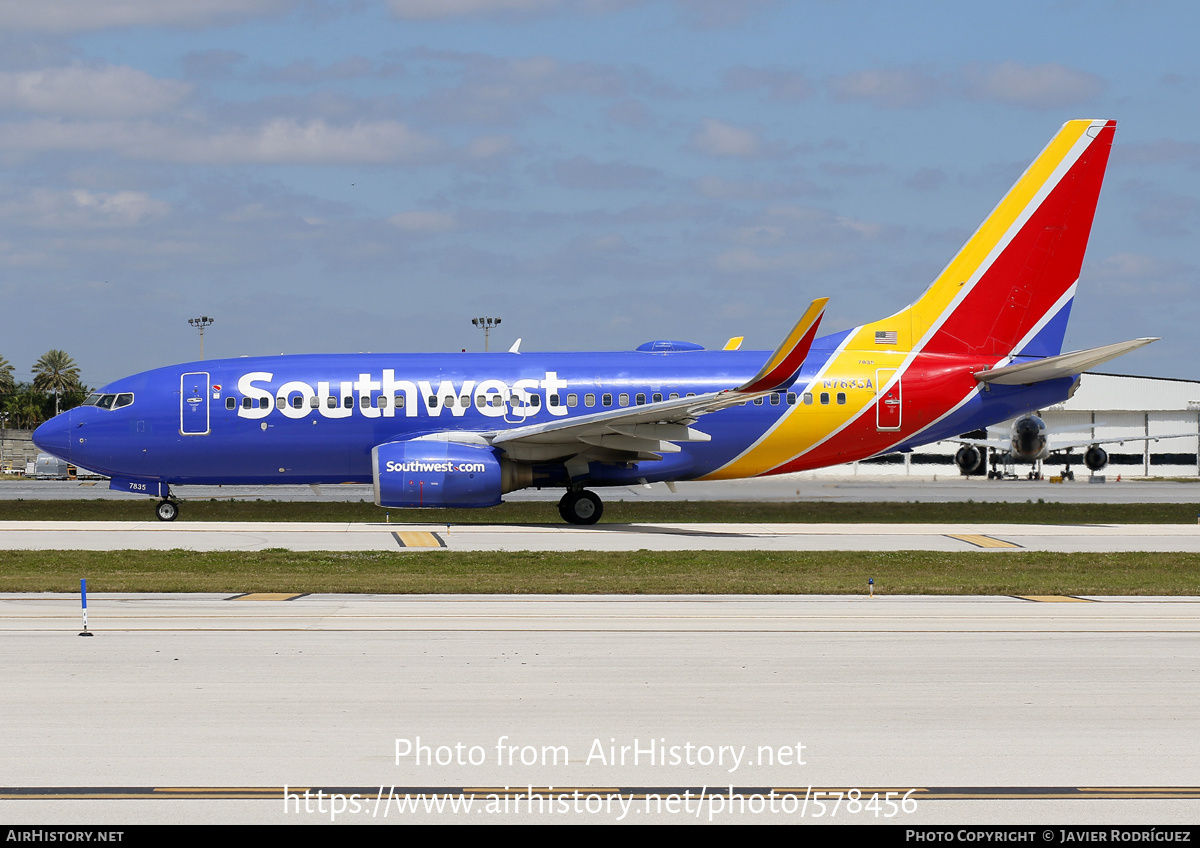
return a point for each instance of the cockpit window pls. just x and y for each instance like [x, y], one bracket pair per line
[109, 401]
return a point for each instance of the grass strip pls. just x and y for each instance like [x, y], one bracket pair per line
[618, 512]
[636, 572]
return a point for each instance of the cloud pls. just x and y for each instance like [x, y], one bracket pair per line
[717, 138]
[781, 86]
[418, 221]
[889, 88]
[491, 90]
[720, 14]
[1046, 86]
[108, 92]
[584, 172]
[278, 141]
[45, 208]
[927, 179]
[1139, 276]
[82, 15]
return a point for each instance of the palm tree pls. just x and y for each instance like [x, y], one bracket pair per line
[57, 372]
[6, 376]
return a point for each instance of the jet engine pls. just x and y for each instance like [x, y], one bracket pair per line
[437, 473]
[1095, 458]
[970, 460]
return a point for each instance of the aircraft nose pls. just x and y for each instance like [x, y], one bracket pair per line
[54, 437]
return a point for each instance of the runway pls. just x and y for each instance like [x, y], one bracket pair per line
[251, 536]
[805, 486]
[990, 710]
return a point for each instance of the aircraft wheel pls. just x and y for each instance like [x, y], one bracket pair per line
[167, 510]
[581, 507]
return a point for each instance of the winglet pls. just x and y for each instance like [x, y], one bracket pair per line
[789, 356]
[734, 343]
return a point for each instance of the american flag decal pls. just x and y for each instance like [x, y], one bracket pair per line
[885, 337]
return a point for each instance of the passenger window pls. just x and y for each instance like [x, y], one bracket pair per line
[623, 399]
[758, 401]
[808, 398]
[314, 402]
[589, 399]
[657, 397]
[774, 398]
[554, 401]
[297, 402]
[264, 403]
[331, 402]
[674, 395]
[841, 397]
[230, 403]
[364, 401]
[640, 400]
[690, 394]
[465, 401]
[572, 399]
[535, 401]
[382, 401]
[791, 398]
[399, 402]
[607, 400]
[281, 401]
[246, 403]
[824, 397]
[348, 402]
[432, 402]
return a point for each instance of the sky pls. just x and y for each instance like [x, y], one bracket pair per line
[368, 176]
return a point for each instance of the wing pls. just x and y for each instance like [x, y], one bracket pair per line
[648, 431]
[1087, 443]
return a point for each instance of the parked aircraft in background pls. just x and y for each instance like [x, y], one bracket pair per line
[981, 345]
[1030, 441]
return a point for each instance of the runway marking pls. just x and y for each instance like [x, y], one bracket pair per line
[418, 539]
[1055, 599]
[981, 541]
[919, 793]
[268, 596]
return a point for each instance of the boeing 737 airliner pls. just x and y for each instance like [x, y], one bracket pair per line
[980, 346]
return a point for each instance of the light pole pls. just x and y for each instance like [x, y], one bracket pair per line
[486, 325]
[200, 323]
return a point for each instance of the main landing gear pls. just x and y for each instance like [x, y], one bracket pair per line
[581, 507]
[167, 509]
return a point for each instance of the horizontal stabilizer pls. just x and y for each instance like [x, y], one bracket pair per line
[1054, 367]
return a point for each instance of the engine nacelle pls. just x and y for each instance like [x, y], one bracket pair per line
[435, 473]
[1095, 458]
[970, 460]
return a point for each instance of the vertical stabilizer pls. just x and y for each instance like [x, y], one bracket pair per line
[1011, 285]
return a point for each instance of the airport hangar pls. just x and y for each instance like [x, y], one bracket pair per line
[1106, 407]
